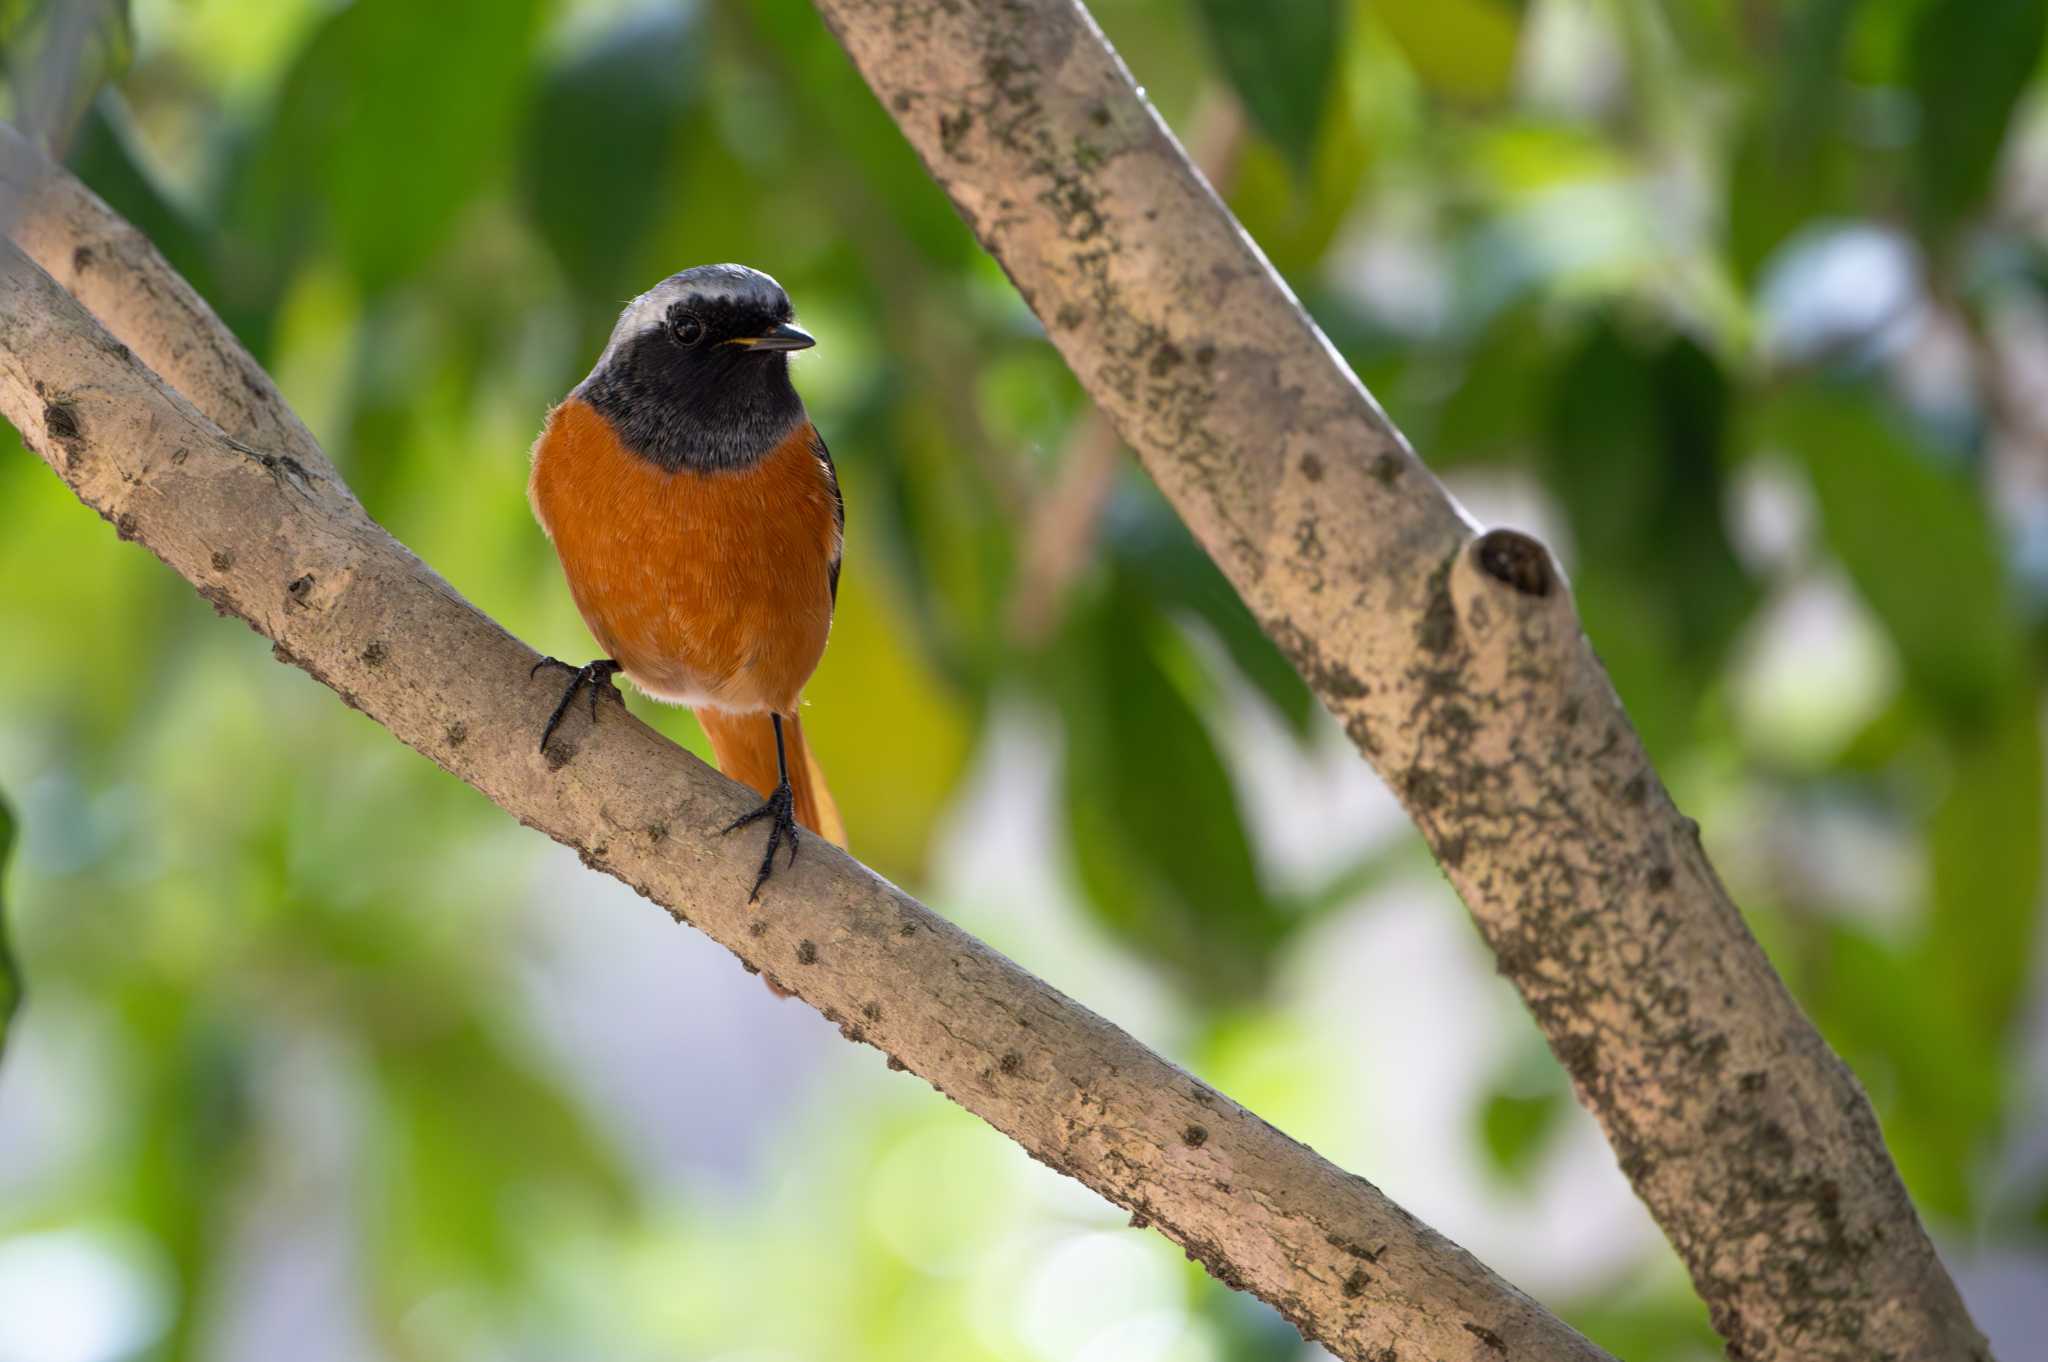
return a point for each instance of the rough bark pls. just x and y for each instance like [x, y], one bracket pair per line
[253, 514]
[1455, 663]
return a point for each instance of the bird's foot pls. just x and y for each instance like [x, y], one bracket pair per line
[780, 809]
[597, 675]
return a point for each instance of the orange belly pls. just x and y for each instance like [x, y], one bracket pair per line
[708, 588]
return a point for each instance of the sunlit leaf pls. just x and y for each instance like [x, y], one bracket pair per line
[1462, 49]
[1280, 56]
[1968, 62]
[17, 18]
[1915, 540]
[892, 738]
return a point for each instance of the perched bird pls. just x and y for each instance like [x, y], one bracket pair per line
[698, 518]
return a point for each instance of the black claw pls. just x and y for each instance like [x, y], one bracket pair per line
[781, 808]
[597, 675]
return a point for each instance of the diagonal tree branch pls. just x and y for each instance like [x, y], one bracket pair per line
[1456, 665]
[255, 517]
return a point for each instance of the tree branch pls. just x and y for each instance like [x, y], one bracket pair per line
[1058, 538]
[1455, 663]
[258, 520]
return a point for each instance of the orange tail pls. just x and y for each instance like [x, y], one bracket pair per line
[745, 746]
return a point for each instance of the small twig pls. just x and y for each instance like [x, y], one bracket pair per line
[1060, 536]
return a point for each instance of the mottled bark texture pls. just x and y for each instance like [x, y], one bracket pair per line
[252, 513]
[1455, 663]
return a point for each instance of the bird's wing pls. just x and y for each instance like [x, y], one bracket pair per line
[838, 504]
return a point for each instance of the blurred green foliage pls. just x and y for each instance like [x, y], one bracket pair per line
[1741, 304]
[10, 977]
[1280, 59]
[55, 57]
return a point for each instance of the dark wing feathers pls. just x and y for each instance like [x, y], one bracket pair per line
[838, 503]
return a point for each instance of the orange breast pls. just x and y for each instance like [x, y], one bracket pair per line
[709, 588]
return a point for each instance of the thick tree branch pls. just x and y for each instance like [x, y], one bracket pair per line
[257, 519]
[1455, 664]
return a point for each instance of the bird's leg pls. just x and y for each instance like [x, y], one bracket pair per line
[597, 675]
[780, 807]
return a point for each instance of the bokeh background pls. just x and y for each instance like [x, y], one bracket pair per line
[1743, 306]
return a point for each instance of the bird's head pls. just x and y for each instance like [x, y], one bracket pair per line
[697, 370]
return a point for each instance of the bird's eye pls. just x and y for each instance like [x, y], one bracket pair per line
[686, 328]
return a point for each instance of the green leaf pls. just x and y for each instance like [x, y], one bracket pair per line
[479, 1149]
[1968, 63]
[1153, 820]
[25, 23]
[1463, 49]
[600, 148]
[892, 737]
[1790, 163]
[1154, 551]
[408, 112]
[1294, 208]
[1367, 874]
[17, 22]
[10, 972]
[847, 149]
[1985, 840]
[1516, 1129]
[190, 1119]
[1493, 413]
[1927, 1025]
[1916, 541]
[106, 155]
[1280, 56]
[55, 56]
[1635, 447]
[1937, 1086]
[1646, 1313]
[1519, 1113]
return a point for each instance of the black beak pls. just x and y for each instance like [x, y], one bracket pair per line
[783, 337]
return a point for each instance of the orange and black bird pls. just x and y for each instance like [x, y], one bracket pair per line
[698, 518]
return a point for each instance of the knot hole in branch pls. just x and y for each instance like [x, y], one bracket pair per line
[1515, 560]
